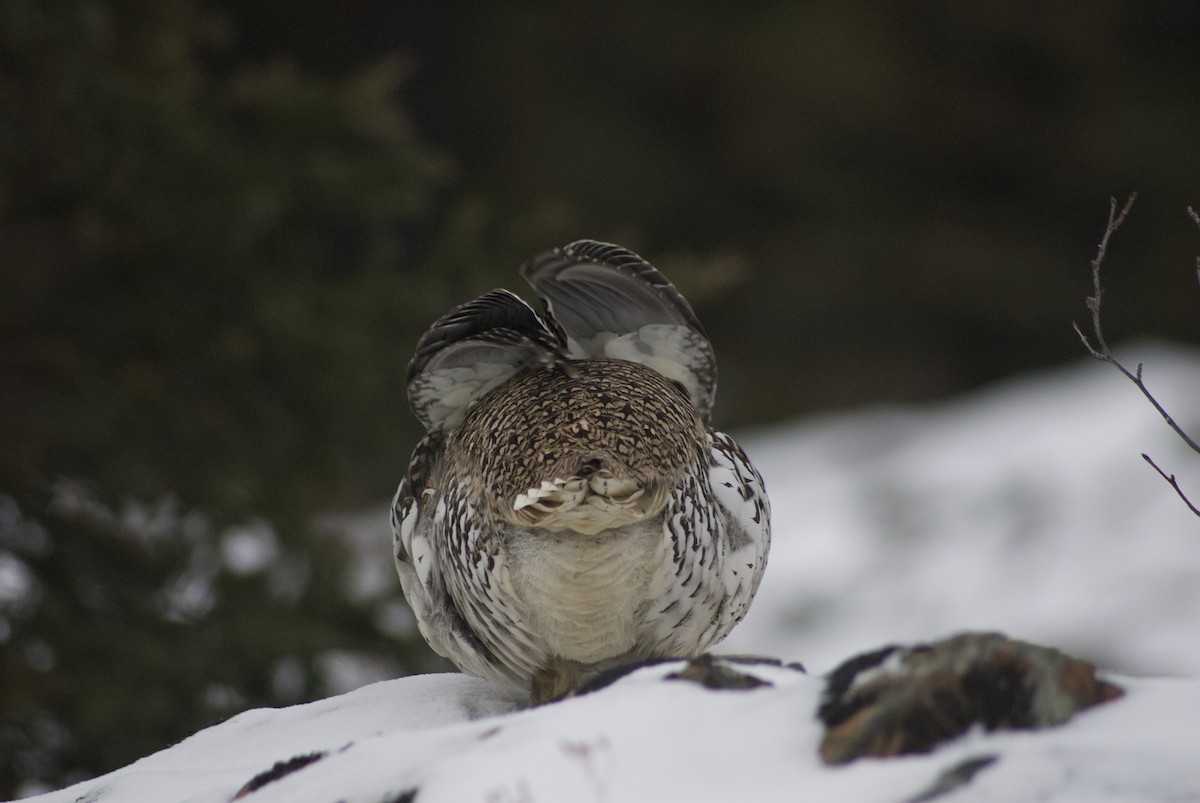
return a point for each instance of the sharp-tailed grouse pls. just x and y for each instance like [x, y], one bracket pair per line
[570, 509]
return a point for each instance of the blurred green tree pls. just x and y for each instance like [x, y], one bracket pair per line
[195, 264]
[200, 284]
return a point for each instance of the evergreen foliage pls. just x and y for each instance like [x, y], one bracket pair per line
[199, 312]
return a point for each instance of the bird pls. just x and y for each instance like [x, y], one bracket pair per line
[570, 508]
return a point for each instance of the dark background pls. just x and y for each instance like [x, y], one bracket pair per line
[224, 223]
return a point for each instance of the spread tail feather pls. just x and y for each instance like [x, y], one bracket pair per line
[612, 303]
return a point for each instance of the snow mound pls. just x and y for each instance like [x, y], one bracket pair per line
[1025, 509]
[450, 738]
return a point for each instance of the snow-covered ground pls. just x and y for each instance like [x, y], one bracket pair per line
[1025, 508]
[450, 739]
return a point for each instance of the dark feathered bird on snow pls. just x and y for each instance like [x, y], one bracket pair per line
[570, 509]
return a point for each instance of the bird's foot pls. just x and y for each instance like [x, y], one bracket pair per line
[554, 681]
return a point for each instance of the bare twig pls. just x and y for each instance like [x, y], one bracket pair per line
[1170, 478]
[1102, 352]
[1195, 219]
[1093, 301]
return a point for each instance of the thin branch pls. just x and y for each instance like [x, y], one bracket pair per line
[1170, 478]
[1102, 352]
[1093, 301]
[1195, 219]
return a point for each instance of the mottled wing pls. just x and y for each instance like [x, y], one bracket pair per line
[745, 515]
[418, 522]
[685, 591]
[612, 303]
[472, 349]
[718, 526]
[476, 575]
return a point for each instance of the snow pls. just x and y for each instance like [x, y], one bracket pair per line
[1025, 508]
[645, 739]
[250, 548]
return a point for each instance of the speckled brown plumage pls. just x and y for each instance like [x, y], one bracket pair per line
[570, 509]
[549, 422]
